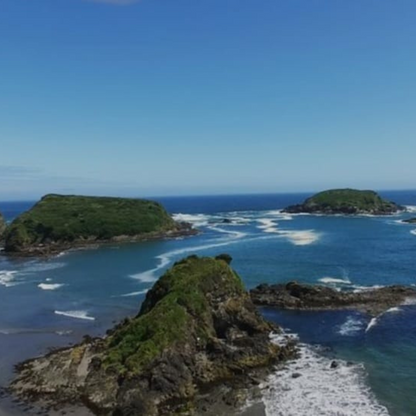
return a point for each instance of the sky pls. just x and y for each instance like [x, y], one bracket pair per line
[183, 97]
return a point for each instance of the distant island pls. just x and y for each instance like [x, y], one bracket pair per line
[197, 344]
[61, 222]
[346, 201]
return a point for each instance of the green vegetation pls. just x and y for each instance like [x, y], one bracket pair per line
[176, 310]
[58, 219]
[2, 225]
[346, 201]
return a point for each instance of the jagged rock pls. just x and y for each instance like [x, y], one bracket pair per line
[196, 329]
[299, 296]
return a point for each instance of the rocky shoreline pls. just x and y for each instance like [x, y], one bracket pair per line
[295, 296]
[54, 248]
[198, 346]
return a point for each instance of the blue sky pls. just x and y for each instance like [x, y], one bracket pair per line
[170, 97]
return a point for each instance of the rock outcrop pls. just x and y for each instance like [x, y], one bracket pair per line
[410, 221]
[197, 329]
[307, 297]
[3, 226]
[346, 201]
[60, 222]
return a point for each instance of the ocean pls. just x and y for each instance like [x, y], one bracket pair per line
[54, 303]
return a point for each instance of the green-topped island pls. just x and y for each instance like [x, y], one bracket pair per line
[61, 222]
[346, 201]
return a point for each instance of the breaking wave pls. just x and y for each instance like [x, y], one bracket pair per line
[351, 326]
[7, 278]
[75, 314]
[308, 386]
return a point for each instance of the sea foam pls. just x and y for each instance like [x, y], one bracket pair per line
[335, 281]
[309, 386]
[140, 292]
[7, 278]
[49, 286]
[76, 314]
[165, 259]
[351, 326]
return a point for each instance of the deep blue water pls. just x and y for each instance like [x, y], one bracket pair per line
[53, 303]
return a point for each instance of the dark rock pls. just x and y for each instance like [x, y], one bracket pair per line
[334, 364]
[299, 296]
[197, 329]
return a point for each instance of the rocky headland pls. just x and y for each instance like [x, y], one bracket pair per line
[58, 222]
[198, 339]
[298, 296]
[346, 202]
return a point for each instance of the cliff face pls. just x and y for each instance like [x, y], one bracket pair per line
[196, 329]
[59, 222]
[346, 201]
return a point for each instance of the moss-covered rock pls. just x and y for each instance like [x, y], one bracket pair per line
[59, 222]
[346, 201]
[196, 329]
[3, 226]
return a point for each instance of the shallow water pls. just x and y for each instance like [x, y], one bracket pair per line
[54, 303]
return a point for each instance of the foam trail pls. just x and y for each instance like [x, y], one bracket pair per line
[393, 310]
[358, 288]
[150, 276]
[413, 232]
[140, 292]
[372, 323]
[231, 233]
[50, 286]
[334, 280]
[268, 225]
[318, 389]
[198, 220]
[75, 314]
[301, 238]
[296, 237]
[351, 326]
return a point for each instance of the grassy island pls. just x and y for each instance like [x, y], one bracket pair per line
[59, 221]
[346, 201]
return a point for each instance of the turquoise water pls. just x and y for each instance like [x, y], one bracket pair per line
[54, 303]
